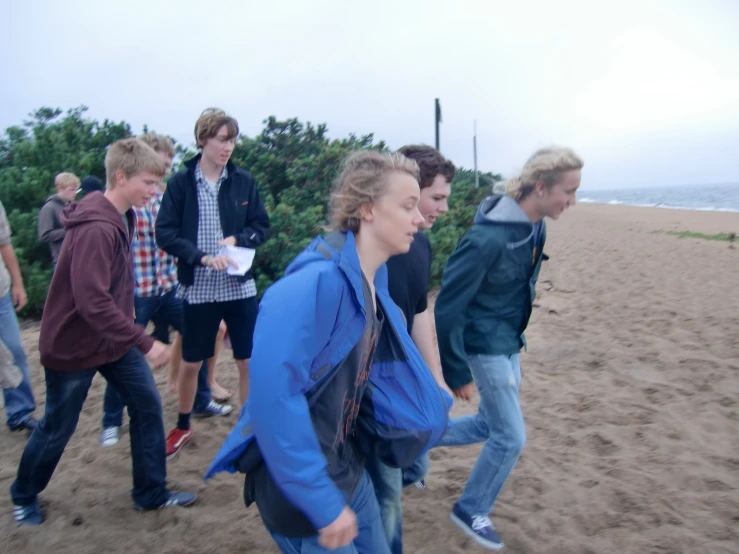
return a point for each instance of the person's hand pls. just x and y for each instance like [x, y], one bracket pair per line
[219, 263]
[228, 241]
[465, 393]
[19, 296]
[341, 532]
[158, 355]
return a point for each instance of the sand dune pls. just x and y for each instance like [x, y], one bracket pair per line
[631, 396]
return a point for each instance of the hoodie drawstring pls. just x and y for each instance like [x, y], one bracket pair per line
[512, 245]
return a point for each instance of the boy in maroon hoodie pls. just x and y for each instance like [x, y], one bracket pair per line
[88, 327]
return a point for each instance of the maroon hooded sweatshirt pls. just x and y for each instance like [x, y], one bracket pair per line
[88, 317]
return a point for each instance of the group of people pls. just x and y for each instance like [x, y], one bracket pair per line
[343, 399]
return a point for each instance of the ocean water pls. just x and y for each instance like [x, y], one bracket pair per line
[721, 198]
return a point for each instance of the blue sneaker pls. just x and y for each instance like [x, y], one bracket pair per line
[28, 424]
[110, 436]
[213, 409]
[28, 515]
[174, 499]
[480, 528]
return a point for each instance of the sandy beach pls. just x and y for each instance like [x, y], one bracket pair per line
[631, 397]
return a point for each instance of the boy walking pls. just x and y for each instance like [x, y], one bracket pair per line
[87, 327]
[155, 287]
[50, 228]
[209, 204]
[486, 298]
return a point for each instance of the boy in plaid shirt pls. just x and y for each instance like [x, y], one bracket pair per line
[155, 294]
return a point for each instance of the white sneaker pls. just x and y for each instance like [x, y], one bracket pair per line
[110, 436]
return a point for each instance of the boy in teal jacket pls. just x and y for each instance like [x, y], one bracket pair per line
[486, 297]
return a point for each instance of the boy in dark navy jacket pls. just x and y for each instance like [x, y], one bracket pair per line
[210, 204]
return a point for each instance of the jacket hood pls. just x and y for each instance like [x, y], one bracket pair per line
[55, 198]
[341, 249]
[92, 208]
[498, 209]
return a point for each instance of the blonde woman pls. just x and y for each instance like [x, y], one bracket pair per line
[486, 297]
[324, 395]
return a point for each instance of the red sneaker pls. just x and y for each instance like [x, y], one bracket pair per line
[176, 439]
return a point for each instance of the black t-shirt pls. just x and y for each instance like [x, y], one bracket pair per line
[334, 408]
[408, 278]
[334, 415]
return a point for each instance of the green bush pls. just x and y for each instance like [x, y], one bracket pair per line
[294, 164]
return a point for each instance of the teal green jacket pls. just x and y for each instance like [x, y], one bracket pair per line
[488, 287]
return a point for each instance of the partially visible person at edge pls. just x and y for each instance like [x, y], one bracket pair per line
[88, 327]
[19, 401]
[90, 184]
[211, 203]
[314, 458]
[50, 228]
[408, 280]
[482, 311]
[155, 275]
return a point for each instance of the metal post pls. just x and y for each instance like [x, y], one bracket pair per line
[474, 153]
[437, 113]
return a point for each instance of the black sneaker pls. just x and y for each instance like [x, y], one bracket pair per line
[174, 499]
[28, 424]
[479, 527]
[28, 515]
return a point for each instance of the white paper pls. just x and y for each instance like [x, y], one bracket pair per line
[244, 257]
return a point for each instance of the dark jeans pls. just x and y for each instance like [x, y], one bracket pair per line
[168, 310]
[65, 394]
[161, 329]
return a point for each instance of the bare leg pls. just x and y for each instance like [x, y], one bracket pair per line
[174, 363]
[187, 385]
[243, 366]
[218, 393]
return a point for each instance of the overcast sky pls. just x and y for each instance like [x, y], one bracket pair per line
[646, 91]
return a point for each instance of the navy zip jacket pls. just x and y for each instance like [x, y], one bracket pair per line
[241, 211]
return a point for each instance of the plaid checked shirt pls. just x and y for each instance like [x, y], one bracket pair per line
[210, 285]
[155, 271]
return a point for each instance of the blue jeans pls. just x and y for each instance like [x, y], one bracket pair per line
[169, 308]
[498, 423]
[370, 540]
[19, 402]
[389, 483]
[66, 392]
